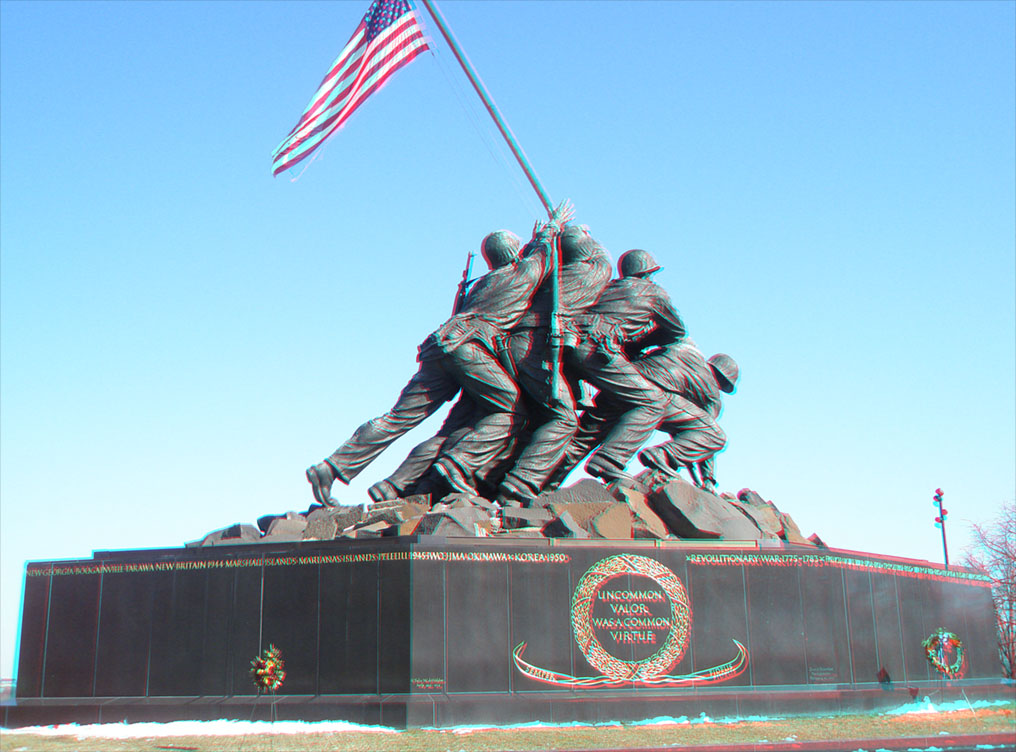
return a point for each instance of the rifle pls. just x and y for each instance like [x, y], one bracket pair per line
[460, 295]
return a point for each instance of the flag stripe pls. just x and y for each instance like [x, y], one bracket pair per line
[323, 127]
[297, 151]
[352, 56]
[387, 38]
[317, 130]
[336, 95]
[338, 108]
[354, 52]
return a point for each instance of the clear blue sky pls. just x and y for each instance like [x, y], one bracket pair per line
[830, 187]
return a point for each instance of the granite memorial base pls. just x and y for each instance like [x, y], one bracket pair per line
[429, 631]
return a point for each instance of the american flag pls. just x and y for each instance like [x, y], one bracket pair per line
[388, 37]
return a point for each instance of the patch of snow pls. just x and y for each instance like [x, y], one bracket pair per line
[198, 728]
[926, 706]
[662, 720]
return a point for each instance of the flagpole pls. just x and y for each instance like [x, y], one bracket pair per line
[520, 157]
[485, 97]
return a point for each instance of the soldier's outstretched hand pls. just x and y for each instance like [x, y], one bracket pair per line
[564, 212]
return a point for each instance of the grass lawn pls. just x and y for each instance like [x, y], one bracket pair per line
[993, 720]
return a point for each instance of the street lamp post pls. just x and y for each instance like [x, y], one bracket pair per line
[940, 522]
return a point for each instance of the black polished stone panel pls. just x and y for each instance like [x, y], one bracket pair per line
[70, 649]
[395, 612]
[125, 618]
[178, 626]
[428, 621]
[217, 611]
[861, 627]
[719, 616]
[582, 560]
[971, 610]
[917, 596]
[290, 622]
[382, 624]
[349, 654]
[676, 563]
[32, 647]
[825, 626]
[540, 605]
[887, 626]
[776, 625]
[244, 630]
[478, 627]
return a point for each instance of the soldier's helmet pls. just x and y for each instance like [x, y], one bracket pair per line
[500, 248]
[576, 243]
[725, 370]
[637, 263]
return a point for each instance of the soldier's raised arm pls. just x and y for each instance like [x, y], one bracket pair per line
[544, 233]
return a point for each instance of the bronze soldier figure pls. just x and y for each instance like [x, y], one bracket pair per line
[461, 355]
[692, 386]
[409, 477]
[583, 275]
[694, 443]
[631, 309]
[585, 270]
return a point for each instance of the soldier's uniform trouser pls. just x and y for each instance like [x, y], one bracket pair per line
[457, 424]
[604, 366]
[694, 434]
[471, 367]
[554, 421]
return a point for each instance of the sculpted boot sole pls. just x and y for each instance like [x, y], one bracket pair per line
[605, 470]
[654, 461]
[454, 477]
[382, 491]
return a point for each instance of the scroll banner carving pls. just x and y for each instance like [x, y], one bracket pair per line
[636, 618]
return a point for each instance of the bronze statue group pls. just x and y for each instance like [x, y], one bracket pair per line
[515, 430]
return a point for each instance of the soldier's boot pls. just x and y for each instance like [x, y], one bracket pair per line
[454, 476]
[656, 459]
[510, 495]
[605, 469]
[383, 491]
[321, 477]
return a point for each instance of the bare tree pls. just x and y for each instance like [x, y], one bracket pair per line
[994, 553]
